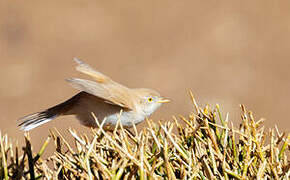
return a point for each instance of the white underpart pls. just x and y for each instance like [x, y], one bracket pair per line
[126, 118]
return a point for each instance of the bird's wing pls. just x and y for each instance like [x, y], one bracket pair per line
[88, 70]
[104, 87]
[110, 92]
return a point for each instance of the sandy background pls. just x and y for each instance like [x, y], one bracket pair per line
[226, 52]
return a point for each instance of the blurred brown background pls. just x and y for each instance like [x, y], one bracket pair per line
[226, 52]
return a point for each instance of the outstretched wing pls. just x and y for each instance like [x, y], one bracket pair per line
[104, 87]
[118, 95]
[88, 70]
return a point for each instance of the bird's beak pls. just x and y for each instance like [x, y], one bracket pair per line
[162, 100]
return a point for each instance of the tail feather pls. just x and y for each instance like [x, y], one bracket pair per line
[34, 120]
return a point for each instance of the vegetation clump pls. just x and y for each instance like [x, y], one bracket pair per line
[203, 145]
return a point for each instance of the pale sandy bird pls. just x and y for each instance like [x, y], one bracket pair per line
[104, 98]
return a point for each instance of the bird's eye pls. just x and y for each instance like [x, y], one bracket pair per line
[150, 99]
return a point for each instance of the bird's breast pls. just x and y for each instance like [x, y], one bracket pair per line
[127, 118]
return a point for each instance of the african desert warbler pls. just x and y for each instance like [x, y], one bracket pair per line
[104, 98]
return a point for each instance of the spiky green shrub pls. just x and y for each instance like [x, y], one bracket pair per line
[203, 145]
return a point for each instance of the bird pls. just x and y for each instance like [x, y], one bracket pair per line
[102, 101]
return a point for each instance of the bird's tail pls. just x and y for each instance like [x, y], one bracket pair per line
[36, 119]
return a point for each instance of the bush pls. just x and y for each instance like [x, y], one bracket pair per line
[196, 147]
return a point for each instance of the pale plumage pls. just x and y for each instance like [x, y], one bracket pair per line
[103, 97]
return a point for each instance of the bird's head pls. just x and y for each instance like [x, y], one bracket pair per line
[149, 100]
